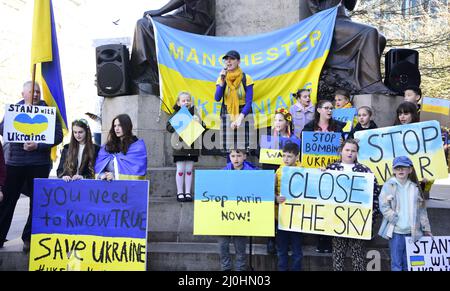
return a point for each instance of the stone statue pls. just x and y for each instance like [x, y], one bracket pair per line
[355, 50]
[196, 16]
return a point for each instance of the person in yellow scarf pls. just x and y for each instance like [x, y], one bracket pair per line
[235, 89]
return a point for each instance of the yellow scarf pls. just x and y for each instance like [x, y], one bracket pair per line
[233, 80]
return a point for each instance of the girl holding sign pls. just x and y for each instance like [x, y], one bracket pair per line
[404, 212]
[183, 156]
[325, 123]
[406, 113]
[78, 157]
[322, 119]
[349, 163]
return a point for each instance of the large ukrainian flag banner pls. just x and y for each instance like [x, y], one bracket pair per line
[279, 62]
[45, 55]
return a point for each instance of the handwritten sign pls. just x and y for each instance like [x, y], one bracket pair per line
[421, 142]
[332, 203]
[436, 109]
[320, 148]
[428, 253]
[89, 225]
[28, 123]
[346, 115]
[272, 148]
[186, 126]
[234, 203]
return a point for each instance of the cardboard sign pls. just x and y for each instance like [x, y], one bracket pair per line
[421, 142]
[234, 203]
[271, 151]
[428, 253]
[436, 109]
[186, 126]
[332, 203]
[29, 123]
[320, 148]
[89, 225]
[346, 115]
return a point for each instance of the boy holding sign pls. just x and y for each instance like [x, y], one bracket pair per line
[285, 238]
[237, 162]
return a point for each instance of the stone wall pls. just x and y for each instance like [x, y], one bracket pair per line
[237, 17]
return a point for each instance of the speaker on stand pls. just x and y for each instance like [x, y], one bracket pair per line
[401, 69]
[112, 62]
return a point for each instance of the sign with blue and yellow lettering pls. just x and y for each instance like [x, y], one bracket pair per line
[89, 225]
[234, 203]
[279, 62]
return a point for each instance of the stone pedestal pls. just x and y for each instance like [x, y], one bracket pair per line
[384, 107]
[237, 17]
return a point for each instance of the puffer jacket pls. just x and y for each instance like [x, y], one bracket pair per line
[390, 208]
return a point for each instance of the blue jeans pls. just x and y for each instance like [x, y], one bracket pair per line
[284, 239]
[240, 244]
[397, 247]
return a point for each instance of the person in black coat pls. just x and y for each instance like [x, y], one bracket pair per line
[364, 121]
[183, 155]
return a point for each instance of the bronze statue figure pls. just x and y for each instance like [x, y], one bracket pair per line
[196, 16]
[355, 50]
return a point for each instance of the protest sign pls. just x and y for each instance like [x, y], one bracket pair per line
[234, 203]
[332, 203]
[89, 225]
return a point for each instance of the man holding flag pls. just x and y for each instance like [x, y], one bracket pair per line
[26, 161]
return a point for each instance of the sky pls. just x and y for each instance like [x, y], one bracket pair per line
[80, 25]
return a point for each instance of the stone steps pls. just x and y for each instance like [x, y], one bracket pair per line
[195, 256]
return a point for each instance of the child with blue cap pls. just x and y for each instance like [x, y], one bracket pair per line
[404, 212]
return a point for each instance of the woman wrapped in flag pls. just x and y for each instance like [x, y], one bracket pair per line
[124, 156]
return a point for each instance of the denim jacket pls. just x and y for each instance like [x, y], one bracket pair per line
[390, 208]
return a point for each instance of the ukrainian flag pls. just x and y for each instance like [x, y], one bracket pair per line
[45, 55]
[417, 261]
[185, 126]
[279, 62]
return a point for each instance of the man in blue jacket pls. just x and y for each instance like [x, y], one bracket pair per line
[24, 162]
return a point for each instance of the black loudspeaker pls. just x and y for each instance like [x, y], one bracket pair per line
[112, 70]
[401, 69]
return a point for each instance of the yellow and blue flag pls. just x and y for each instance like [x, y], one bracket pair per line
[417, 261]
[45, 55]
[186, 126]
[279, 62]
[129, 166]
